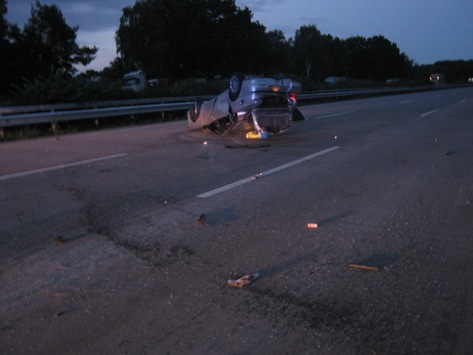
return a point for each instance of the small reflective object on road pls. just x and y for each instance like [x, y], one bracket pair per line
[244, 280]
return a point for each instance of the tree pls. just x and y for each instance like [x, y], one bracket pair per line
[376, 58]
[3, 21]
[339, 59]
[356, 57]
[307, 43]
[6, 49]
[115, 70]
[383, 59]
[279, 57]
[186, 38]
[44, 47]
[50, 44]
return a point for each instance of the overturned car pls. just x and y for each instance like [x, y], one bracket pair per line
[255, 105]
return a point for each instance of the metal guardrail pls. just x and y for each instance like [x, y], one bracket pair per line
[35, 114]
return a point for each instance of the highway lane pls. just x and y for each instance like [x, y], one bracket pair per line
[110, 242]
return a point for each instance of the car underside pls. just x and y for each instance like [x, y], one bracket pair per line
[258, 106]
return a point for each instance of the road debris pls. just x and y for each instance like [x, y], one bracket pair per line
[257, 176]
[364, 267]
[244, 280]
[59, 239]
[202, 220]
[257, 135]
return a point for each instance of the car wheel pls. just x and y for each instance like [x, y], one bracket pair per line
[195, 110]
[234, 89]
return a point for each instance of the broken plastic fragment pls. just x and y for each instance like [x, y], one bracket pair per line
[244, 280]
[256, 135]
[364, 267]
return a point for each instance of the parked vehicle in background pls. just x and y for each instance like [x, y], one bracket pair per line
[136, 81]
[255, 105]
[437, 79]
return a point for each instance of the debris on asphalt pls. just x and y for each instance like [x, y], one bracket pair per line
[312, 225]
[244, 280]
[364, 267]
[202, 220]
[59, 240]
[257, 135]
[257, 176]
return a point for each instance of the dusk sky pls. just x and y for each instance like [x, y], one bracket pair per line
[425, 30]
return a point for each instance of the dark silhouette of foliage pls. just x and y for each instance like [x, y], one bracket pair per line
[50, 43]
[45, 46]
[307, 49]
[204, 38]
[188, 39]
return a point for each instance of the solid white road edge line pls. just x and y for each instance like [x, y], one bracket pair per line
[58, 167]
[265, 173]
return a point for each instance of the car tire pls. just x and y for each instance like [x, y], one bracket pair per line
[234, 87]
[194, 112]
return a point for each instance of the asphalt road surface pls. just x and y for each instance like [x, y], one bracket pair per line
[123, 241]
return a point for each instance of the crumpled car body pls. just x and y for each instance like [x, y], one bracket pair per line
[258, 106]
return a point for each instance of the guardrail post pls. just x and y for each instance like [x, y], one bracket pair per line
[55, 127]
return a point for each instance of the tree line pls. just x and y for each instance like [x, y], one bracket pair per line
[202, 39]
[45, 46]
[180, 39]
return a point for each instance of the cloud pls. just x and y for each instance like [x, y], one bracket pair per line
[88, 15]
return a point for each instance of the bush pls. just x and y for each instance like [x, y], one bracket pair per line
[62, 88]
